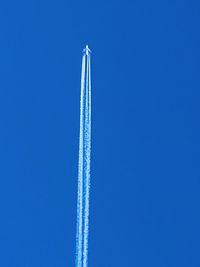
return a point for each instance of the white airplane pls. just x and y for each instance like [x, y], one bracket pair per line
[87, 50]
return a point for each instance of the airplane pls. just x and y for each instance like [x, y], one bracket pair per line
[87, 50]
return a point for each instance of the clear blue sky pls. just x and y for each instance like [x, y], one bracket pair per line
[146, 134]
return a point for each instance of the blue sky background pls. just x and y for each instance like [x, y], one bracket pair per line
[145, 146]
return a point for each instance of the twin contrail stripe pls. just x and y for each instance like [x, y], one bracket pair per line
[84, 164]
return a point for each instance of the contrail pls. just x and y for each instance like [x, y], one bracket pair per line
[84, 163]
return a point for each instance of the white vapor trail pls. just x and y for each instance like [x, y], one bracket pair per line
[84, 164]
